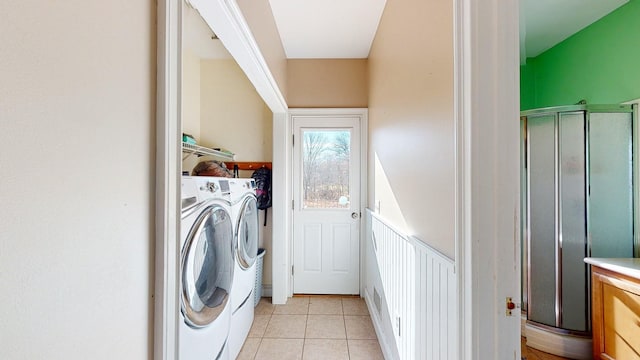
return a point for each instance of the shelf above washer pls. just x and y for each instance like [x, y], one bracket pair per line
[191, 149]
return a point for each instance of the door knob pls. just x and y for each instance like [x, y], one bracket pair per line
[354, 215]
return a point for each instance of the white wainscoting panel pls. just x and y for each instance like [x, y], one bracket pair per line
[410, 289]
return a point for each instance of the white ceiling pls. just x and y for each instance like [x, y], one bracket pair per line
[345, 29]
[330, 29]
[548, 22]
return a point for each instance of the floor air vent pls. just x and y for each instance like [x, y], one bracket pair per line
[376, 300]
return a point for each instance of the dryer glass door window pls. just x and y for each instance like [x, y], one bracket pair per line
[207, 266]
[247, 233]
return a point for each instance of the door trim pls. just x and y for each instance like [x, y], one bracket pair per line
[167, 207]
[362, 113]
[486, 113]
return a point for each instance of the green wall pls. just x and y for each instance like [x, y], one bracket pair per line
[527, 87]
[600, 64]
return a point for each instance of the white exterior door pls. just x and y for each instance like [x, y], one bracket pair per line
[326, 210]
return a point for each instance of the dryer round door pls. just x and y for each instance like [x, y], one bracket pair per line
[207, 266]
[247, 233]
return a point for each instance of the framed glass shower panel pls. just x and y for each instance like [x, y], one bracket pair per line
[611, 184]
[542, 226]
[573, 225]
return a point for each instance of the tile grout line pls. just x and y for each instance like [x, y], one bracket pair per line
[304, 340]
[258, 349]
[265, 331]
[262, 335]
[346, 336]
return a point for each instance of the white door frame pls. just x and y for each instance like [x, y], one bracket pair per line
[362, 113]
[167, 216]
[486, 101]
[486, 92]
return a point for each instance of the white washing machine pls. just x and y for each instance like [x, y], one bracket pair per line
[244, 209]
[206, 269]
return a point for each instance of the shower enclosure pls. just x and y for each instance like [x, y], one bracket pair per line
[578, 172]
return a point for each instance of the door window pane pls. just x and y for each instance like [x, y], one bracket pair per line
[325, 169]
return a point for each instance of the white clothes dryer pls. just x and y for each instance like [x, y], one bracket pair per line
[206, 269]
[244, 209]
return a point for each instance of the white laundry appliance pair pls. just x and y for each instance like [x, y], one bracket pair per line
[218, 236]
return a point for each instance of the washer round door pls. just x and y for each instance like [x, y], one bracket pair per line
[207, 266]
[247, 233]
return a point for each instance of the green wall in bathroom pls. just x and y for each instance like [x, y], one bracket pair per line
[600, 64]
[527, 87]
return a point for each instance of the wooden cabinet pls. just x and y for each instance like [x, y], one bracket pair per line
[615, 314]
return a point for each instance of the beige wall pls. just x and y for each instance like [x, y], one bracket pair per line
[327, 83]
[411, 125]
[234, 117]
[232, 114]
[77, 153]
[258, 15]
[191, 94]
[190, 102]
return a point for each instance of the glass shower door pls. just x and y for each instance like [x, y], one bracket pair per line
[579, 174]
[541, 153]
[573, 226]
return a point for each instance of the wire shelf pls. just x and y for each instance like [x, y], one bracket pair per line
[191, 149]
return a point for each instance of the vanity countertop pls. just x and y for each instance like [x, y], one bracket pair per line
[624, 266]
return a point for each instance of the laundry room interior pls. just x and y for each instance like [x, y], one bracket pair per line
[226, 122]
[222, 110]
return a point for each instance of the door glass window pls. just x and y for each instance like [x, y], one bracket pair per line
[325, 168]
[248, 233]
[207, 267]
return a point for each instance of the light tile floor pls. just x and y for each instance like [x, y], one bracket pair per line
[312, 327]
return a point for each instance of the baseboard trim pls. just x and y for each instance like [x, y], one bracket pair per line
[267, 290]
[377, 325]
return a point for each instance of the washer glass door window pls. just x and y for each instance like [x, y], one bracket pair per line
[207, 266]
[247, 233]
